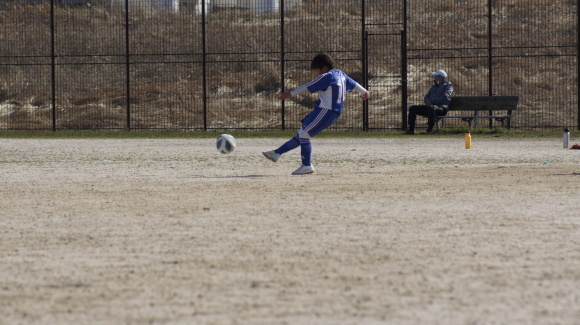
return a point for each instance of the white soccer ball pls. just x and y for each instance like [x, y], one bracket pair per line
[225, 143]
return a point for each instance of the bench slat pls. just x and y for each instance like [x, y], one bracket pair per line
[474, 116]
[484, 103]
[482, 108]
[486, 98]
[476, 104]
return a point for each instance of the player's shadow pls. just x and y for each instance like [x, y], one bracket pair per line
[571, 174]
[239, 176]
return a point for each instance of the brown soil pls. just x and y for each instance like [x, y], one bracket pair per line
[387, 231]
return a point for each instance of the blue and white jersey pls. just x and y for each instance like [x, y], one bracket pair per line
[331, 87]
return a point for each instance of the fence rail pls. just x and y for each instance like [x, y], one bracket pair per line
[219, 64]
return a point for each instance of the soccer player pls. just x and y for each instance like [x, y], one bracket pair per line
[331, 86]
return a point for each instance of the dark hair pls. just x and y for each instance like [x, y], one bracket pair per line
[322, 60]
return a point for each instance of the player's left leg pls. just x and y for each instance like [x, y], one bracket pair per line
[291, 144]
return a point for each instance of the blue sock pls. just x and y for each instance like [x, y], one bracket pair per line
[289, 145]
[306, 152]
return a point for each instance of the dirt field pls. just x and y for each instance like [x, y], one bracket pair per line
[387, 231]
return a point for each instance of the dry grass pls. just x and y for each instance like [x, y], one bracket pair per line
[243, 61]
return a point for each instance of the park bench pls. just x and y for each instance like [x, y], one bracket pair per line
[481, 107]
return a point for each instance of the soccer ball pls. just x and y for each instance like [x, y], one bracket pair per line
[225, 143]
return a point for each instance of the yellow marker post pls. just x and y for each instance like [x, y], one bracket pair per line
[467, 140]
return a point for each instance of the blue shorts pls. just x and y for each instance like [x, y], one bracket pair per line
[316, 121]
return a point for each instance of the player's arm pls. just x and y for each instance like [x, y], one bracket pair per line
[300, 90]
[366, 95]
[319, 83]
[355, 86]
[361, 90]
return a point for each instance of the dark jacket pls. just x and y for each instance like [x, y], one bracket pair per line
[440, 95]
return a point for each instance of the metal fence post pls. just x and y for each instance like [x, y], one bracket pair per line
[490, 55]
[365, 80]
[365, 65]
[204, 64]
[282, 64]
[52, 67]
[127, 66]
[404, 72]
[404, 81]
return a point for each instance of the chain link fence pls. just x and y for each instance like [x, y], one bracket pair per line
[220, 64]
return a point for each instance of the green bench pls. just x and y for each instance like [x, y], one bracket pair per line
[499, 108]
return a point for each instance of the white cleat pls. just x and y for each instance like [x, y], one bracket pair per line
[303, 170]
[271, 155]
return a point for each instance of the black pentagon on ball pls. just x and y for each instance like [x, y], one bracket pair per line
[228, 145]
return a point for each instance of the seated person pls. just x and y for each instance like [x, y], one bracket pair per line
[436, 103]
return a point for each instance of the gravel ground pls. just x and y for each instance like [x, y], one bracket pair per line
[411, 230]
